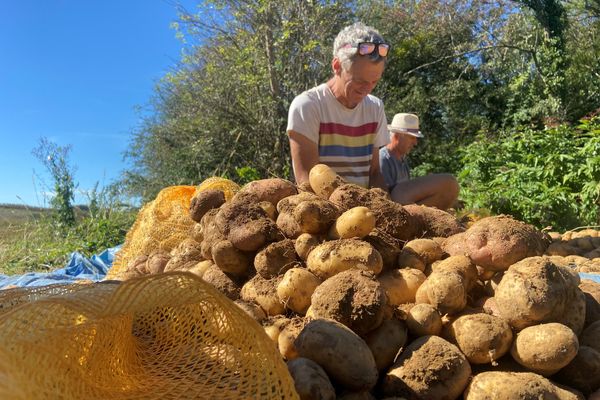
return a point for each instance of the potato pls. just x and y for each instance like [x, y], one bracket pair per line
[310, 380]
[271, 190]
[305, 243]
[252, 309]
[273, 327]
[545, 348]
[330, 258]
[591, 290]
[315, 216]
[445, 291]
[305, 213]
[324, 180]
[264, 293]
[363, 395]
[343, 355]
[461, 265]
[276, 258]
[211, 232]
[205, 200]
[481, 337]
[433, 222]
[390, 216]
[535, 290]
[583, 372]
[230, 259]
[409, 259]
[591, 336]
[200, 268]
[356, 222]
[424, 320]
[429, 368]
[495, 243]
[501, 385]
[354, 298]
[288, 335]
[387, 245]
[245, 224]
[401, 285]
[254, 234]
[215, 277]
[296, 289]
[156, 262]
[427, 250]
[386, 341]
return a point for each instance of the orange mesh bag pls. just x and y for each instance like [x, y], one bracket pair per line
[164, 222]
[166, 336]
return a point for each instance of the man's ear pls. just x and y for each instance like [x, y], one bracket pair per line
[336, 65]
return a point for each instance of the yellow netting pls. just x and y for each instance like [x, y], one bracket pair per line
[167, 336]
[164, 222]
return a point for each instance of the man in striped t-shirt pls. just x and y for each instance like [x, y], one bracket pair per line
[339, 123]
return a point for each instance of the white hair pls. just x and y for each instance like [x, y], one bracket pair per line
[354, 34]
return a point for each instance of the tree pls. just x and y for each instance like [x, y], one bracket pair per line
[225, 107]
[56, 160]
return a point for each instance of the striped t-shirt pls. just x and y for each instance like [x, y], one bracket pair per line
[345, 137]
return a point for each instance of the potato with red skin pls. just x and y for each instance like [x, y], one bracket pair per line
[495, 243]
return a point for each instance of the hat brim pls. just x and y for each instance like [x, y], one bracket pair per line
[412, 132]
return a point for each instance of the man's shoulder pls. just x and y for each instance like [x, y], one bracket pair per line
[316, 93]
[373, 101]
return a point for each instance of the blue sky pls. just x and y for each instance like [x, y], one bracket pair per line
[75, 71]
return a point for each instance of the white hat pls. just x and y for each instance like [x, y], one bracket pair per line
[406, 123]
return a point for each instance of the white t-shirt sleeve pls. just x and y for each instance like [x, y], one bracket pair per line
[382, 138]
[303, 117]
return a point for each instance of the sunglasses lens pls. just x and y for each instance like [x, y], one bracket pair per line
[383, 49]
[366, 48]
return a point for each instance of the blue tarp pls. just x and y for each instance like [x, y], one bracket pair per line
[594, 277]
[78, 267]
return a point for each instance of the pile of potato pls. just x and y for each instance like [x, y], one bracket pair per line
[368, 299]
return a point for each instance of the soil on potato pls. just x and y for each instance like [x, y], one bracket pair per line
[353, 298]
[239, 211]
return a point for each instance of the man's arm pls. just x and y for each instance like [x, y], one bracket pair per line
[375, 177]
[305, 155]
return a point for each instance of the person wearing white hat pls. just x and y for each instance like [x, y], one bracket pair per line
[339, 123]
[435, 190]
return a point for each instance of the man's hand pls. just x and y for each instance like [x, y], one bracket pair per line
[375, 177]
[305, 155]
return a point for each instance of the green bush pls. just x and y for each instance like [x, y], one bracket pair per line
[546, 177]
[38, 245]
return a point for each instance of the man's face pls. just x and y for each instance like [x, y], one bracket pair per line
[360, 79]
[403, 143]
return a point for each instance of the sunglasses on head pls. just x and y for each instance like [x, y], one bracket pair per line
[369, 48]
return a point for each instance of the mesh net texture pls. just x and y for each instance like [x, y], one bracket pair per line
[167, 336]
[164, 222]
